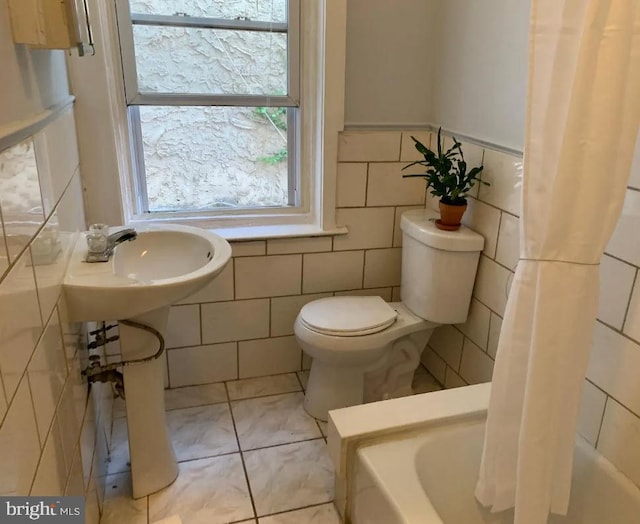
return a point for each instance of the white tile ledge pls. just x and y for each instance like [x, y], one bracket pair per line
[350, 426]
[280, 231]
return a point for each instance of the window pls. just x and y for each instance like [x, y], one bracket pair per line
[214, 107]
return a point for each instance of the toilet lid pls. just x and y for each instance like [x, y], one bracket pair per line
[348, 316]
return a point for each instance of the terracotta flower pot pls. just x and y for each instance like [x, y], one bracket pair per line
[450, 216]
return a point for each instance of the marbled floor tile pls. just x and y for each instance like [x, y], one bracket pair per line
[423, 382]
[262, 386]
[304, 378]
[203, 431]
[118, 506]
[119, 450]
[290, 477]
[207, 491]
[324, 514]
[268, 421]
[191, 396]
[323, 427]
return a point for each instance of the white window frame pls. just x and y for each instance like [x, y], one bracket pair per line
[323, 38]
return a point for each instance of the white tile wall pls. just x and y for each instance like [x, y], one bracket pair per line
[477, 325]
[232, 321]
[484, 219]
[382, 267]
[183, 328]
[332, 271]
[369, 146]
[504, 174]
[408, 152]
[621, 245]
[45, 399]
[269, 356]
[219, 290]
[352, 184]
[270, 276]
[492, 284]
[284, 311]
[369, 228]
[387, 187]
[282, 246]
[476, 366]
[591, 412]
[632, 322]
[619, 439]
[616, 281]
[203, 364]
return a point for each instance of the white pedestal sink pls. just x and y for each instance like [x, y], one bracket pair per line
[143, 278]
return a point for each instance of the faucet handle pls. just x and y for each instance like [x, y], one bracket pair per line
[97, 238]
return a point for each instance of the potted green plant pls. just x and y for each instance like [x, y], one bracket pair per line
[447, 177]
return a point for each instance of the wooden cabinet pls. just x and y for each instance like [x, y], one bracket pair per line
[50, 24]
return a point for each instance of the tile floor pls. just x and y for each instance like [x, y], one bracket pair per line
[247, 451]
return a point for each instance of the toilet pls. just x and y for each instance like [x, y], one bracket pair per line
[365, 349]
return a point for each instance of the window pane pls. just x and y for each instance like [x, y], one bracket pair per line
[264, 10]
[212, 61]
[214, 157]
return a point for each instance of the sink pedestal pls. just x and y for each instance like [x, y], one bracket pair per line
[153, 462]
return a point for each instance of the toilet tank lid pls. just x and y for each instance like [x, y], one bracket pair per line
[420, 225]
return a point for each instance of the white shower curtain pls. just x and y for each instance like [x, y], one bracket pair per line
[583, 116]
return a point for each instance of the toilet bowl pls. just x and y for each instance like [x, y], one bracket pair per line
[365, 349]
[363, 361]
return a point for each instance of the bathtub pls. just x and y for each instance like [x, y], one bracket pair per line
[428, 475]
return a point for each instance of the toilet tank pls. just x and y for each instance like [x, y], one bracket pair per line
[438, 267]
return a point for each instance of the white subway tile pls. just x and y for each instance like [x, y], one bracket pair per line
[382, 267]
[591, 412]
[619, 440]
[447, 342]
[351, 184]
[284, 311]
[332, 271]
[397, 230]
[369, 146]
[384, 292]
[231, 321]
[51, 476]
[387, 187]
[434, 364]
[476, 366]
[270, 276]
[306, 363]
[20, 322]
[492, 285]
[218, 290]
[453, 380]
[504, 174]
[19, 445]
[494, 335]
[632, 322]
[75, 483]
[621, 244]
[508, 250]
[284, 246]
[477, 325]
[47, 372]
[396, 295]
[485, 220]
[368, 228]
[614, 365]
[616, 281]
[183, 328]
[249, 248]
[408, 152]
[203, 364]
[49, 265]
[269, 356]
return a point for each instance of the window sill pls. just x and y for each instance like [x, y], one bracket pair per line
[276, 231]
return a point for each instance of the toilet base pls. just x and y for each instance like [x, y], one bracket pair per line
[331, 387]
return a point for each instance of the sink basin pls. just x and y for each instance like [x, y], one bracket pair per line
[162, 266]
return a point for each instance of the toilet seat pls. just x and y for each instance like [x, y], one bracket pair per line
[348, 316]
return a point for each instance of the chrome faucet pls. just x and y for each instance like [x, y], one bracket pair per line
[101, 250]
